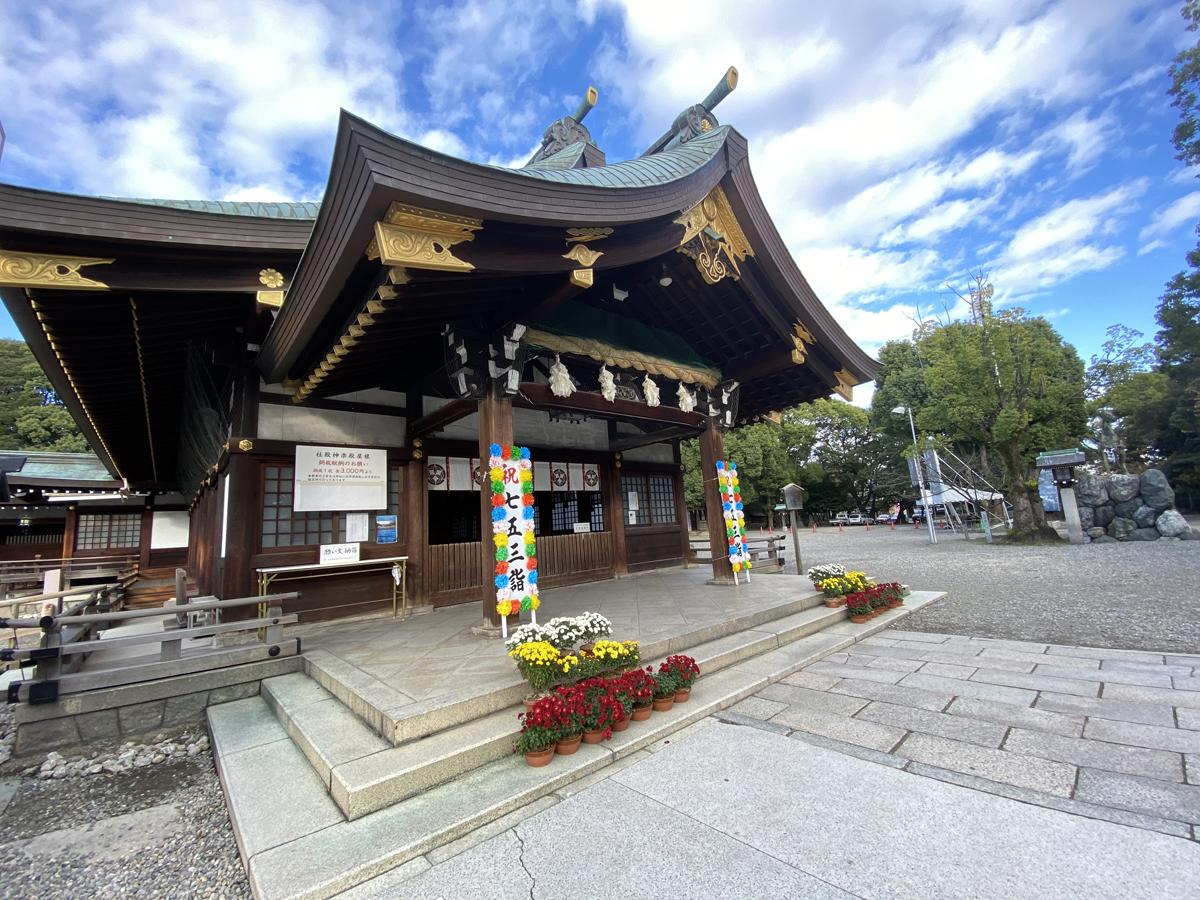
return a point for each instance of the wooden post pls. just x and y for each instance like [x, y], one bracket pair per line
[712, 448]
[416, 527]
[144, 539]
[616, 517]
[70, 526]
[495, 427]
[681, 513]
[241, 537]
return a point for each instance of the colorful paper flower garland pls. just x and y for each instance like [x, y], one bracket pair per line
[735, 518]
[511, 476]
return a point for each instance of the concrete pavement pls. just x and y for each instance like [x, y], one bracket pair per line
[724, 810]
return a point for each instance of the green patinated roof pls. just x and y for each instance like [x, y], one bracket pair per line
[46, 464]
[646, 171]
[261, 210]
[566, 158]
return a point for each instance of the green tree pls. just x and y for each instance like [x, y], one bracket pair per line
[1124, 397]
[1185, 89]
[31, 415]
[1008, 383]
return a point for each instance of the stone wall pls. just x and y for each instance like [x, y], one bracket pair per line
[137, 712]
[1130, 508]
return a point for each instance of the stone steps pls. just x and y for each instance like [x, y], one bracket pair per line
[354, 807]
[398, 719]
[364, 773]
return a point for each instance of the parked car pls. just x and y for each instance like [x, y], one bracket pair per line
[858, 518]
[883, 518]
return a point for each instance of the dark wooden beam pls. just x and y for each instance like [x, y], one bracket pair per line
[630, 441]
[552, 301]
[440, 418]
[538, 396]
[375, 409]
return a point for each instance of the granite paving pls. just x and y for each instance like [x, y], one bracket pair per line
[1031, 733]
[731, 811]
[1139, 596]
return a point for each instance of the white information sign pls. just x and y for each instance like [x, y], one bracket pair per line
[357, 526]
[336, 479]
[332, 554]
[582, 528]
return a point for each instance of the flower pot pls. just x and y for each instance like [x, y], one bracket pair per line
[662, 704]
[567, 746]
[539, 758]
[895, 603]
[642, 713]
[832, 602]
[593, 737]
[682, 696]
[586, 648]
[621, 726]
[858, 620]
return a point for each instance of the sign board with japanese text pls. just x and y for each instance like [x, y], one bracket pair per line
[334, 554]
[339, 479]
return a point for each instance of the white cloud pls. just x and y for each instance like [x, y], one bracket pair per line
[1170, 219]
[1085, 138]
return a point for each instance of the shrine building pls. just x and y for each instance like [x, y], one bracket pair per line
[319, 382]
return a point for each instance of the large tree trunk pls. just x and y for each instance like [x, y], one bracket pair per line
[1029, 519]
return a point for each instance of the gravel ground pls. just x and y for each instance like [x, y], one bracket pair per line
[1141, 596]
[156, 832]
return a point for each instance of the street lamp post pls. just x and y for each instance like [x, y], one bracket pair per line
[925, 495]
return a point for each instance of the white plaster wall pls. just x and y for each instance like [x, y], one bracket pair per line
[169, 529]
[652, 453]
[334, 426]
[530, 426]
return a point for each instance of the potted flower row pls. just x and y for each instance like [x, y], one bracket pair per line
[864, 605]
[544, 665]
[836, 587]
[563, 632]
[591, 710]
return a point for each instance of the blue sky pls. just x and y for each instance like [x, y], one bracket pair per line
[899, 146]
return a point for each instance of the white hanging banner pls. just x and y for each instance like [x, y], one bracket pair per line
[575, 476]
[541, 476]
[460, 474]
[437, 473]
[591, 477]
[339, 479]
[558, 476]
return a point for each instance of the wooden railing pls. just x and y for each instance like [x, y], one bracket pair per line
[453, 567]
[566, 554]
[767, 553]
[70, 636]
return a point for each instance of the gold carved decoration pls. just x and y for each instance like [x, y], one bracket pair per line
[273, 299]
[800, 337]
[270, 278]
[585, 256]
[582, 278]
[713, 238]
[845, 384]
[421, 238]
[41, 270]
[583, 235]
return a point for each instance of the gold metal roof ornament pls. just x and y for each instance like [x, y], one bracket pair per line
[713, 238]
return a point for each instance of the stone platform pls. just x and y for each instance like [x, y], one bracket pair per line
[378, 775]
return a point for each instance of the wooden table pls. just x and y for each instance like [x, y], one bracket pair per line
[269, 575]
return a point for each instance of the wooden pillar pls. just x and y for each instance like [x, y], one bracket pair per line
[144, 539]
[616, 515]
[712, 448]
[495, 427]
[681, 513]
[241, 532]
[70, 526]
[416, 530]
